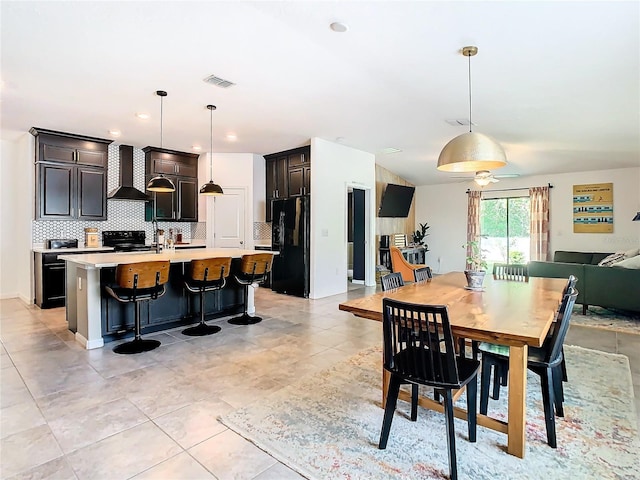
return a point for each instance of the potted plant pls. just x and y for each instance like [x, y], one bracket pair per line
[476, 265]
[419, 236]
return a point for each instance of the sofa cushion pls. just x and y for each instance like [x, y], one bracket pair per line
[632, 253]
[611, 259]
[633, 262]
[573, 257]
[597, 257]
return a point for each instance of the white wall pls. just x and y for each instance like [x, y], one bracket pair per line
[259, 189]
[444, 207]
[16, 212]
[334, 167]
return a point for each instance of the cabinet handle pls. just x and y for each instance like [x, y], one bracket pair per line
[303, 158]
[300, 190]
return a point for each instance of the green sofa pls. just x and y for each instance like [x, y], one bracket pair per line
[610, 287]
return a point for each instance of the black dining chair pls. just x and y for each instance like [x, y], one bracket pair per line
[423, 359]
[422, 274]
[511, 271]
[391, 280]
[545, 361]
[501, 375]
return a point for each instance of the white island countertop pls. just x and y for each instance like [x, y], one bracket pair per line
[101, 260]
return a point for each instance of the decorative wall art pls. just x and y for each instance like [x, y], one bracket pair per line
[593, 208]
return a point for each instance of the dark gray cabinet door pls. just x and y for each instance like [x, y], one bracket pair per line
[56, 184]
[92, 197]
[187, 200]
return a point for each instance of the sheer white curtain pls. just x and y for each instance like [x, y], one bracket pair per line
[539, 228]
[473, 219]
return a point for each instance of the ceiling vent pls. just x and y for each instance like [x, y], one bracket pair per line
[456, 122]
[218, 82]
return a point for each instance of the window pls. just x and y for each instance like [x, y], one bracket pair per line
[504, 226]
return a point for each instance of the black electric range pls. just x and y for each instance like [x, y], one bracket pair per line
[125, 240]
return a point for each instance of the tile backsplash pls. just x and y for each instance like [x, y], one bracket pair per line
[121, 214]
[262, 231]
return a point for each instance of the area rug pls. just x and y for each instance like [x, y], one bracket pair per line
[327, 426]
[603, 318]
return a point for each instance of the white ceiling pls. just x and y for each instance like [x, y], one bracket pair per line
[556, 83]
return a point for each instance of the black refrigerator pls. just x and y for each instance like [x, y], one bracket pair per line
[290, 237]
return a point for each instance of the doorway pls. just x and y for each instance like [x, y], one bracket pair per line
[357, 237]
[226, 219]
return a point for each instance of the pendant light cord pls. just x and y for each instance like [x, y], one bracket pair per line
[470, 123]
[161, 102]
[211, 151]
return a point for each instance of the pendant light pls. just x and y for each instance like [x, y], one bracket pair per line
[211, 188]
[471, 152]
[161, 183]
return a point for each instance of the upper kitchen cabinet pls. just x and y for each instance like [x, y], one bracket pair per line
[170, 162]
[71, 176]
[182, 169]
[288, 175]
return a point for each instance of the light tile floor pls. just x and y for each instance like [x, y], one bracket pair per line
[69, 413]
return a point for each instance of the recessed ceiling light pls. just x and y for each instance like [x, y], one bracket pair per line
[115, 133]
[232, 137]
[197, 148]
[142, 116]
[338, 27]
[389, 150]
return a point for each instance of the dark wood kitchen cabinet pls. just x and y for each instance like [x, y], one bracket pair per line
[277, 181]
[71, 176]
[182, 169]
[288, 174]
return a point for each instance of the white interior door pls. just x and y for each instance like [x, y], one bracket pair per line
[228, 219]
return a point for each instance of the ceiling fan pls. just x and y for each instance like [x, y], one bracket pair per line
[485, 177]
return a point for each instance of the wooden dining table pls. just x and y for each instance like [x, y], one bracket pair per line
[513, 313]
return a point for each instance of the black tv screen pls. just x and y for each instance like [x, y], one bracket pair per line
[396, 201]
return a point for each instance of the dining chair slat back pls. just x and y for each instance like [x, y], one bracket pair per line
[391, 280]
[422, 274]
[511, 271]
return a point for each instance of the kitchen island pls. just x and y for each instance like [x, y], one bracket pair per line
[96, 317]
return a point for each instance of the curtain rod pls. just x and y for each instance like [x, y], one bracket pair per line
[506, 189]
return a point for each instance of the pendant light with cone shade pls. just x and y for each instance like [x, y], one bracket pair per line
[161, 183]
[471, 152]
[211, 188]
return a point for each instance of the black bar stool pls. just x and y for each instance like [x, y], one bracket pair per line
[137, 282]
[254, 269]
[206, 275]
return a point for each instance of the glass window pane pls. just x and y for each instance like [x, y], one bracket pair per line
[518, 234]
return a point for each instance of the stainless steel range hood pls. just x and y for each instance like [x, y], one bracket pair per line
[125, 190]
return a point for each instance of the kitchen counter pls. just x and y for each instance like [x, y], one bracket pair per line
[101, 260]
[87, 304]
[72, 250]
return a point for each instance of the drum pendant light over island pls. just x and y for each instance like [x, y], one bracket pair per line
[161, 183]
[471, 152]
[211, 188]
